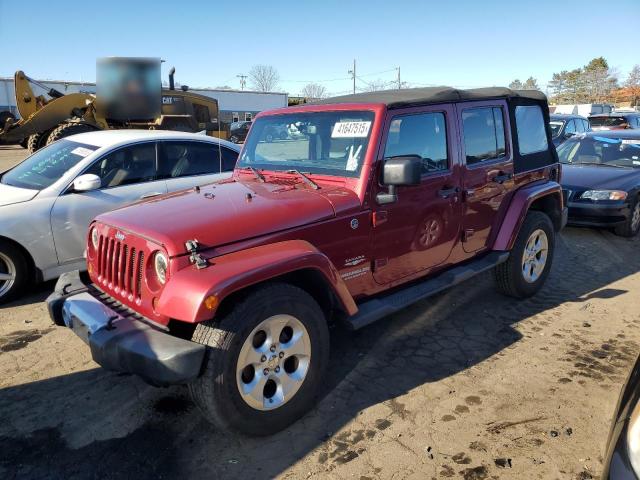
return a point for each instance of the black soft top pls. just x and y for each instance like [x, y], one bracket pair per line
[422, 96]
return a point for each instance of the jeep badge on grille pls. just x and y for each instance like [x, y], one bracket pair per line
[120, 236]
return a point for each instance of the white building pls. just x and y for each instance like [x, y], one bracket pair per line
[234, 105]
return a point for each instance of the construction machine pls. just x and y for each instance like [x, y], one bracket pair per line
[52, 115]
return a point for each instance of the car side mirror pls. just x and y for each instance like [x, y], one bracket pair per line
[568, 134]
[86, 183]
[399, 171]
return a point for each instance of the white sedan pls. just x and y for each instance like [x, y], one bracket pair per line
[48, 200]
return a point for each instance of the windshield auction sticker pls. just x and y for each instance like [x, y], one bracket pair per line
[81, 151]
[351, 129]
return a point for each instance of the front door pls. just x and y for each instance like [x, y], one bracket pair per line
[127, 174]
[488, 172]
[419, 230]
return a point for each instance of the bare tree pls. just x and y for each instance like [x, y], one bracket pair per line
[264, 78]
[314, 91]
[376, 85]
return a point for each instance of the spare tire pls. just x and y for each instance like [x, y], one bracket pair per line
[67, 129]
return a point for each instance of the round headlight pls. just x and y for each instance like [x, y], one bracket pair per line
[94, 238]
[161, 264]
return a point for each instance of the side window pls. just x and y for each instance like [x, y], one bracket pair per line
[422, 134]
[579, 126]
[182, 159]
[229, 158]
[247, 116]
[126, 166]
[532, 134]
[483, 130]
[571, 127]
[585, 125]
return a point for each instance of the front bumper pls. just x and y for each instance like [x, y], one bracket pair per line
[595, 215]
[121, 342]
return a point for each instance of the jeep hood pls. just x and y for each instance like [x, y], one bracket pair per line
[10, 195]
[229, 211]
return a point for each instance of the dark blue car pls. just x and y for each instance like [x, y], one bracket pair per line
[566, 126]
[601, 179]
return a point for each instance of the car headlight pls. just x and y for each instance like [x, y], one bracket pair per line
[161, 264]
[604, 195]
[94, 237]
[633, 439]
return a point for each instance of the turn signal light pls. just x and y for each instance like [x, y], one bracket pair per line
[211, 302]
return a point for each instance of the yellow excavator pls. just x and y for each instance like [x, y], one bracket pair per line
[52, 115]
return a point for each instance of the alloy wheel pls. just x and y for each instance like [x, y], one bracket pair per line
[273, 362]
[7, 274]
[534, 257]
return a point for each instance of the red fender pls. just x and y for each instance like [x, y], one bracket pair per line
[183, 297]
[518, 209]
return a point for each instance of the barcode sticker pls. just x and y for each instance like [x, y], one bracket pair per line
[81, 151]
[351, 130]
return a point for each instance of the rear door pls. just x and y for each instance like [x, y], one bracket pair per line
[185, 164]
[419, 230]
[128, 174]
[488, 171]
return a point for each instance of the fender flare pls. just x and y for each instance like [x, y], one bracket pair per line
[518, 208]
[184, 295]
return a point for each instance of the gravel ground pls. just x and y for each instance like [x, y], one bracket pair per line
[468, 384]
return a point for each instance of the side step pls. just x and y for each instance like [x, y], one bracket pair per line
[372, 310]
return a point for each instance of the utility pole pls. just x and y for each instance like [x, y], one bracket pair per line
[399, 82]
[243, 81]
[353, 75]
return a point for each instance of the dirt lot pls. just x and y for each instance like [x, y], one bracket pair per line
[468, 384]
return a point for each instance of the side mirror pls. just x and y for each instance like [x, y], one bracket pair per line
[399, 171]
[86, 183]
[569, 134]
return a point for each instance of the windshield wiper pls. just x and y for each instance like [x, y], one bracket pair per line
[306, 179]
[257, 174]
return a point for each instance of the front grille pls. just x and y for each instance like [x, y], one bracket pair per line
[120, 267]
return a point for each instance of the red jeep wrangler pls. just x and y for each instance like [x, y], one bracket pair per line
[365, 204]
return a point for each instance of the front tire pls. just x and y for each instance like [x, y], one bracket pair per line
[68, 129]
[529, 262]
[14, 272]
[632, 226]
[36, 141]
[266, 363]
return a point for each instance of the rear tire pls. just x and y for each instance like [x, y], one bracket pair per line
[68, 129]
[250, 366]
[632, 226]
[14, 272]
[529, 262]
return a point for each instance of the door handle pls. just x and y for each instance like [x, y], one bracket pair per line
[502, 177]
[150, 194]
[448, 192]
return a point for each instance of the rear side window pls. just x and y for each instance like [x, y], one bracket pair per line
[229, 159]
[183, 159]
[532, 135]
[483, 130]
[422, 134]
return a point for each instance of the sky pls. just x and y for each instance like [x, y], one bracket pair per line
[461, 43]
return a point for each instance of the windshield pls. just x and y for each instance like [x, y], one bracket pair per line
[556, 126]
[604, 151]
[607, 121]
[330, 143]
[47, 165]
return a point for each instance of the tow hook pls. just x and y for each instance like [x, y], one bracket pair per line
[195, 258]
